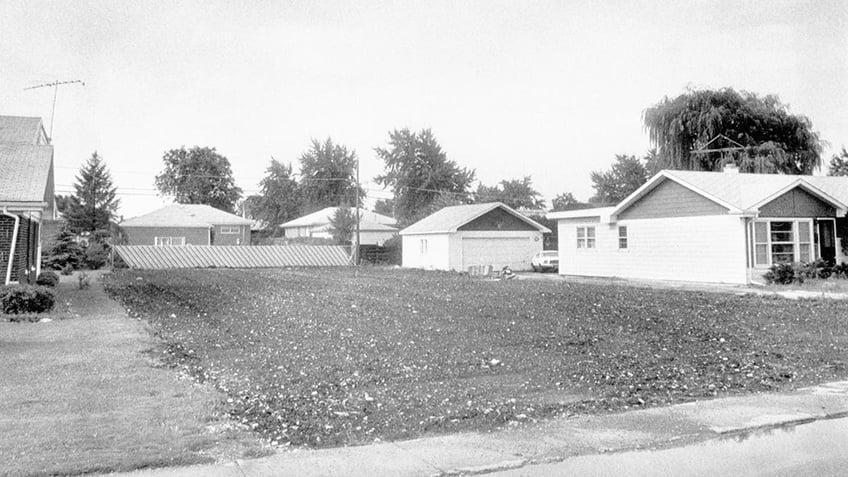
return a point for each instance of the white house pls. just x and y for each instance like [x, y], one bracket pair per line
[458, 237]
[723, 227]
[374, 228]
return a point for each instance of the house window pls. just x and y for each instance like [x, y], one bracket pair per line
[585, 237]
[168, 241]
[622, 237]
[423, 246]
[230, 229]
[782, 241]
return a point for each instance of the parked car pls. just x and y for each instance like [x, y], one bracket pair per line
[546, 260]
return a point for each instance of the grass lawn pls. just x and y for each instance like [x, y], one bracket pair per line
[86, 393]
[326, 357]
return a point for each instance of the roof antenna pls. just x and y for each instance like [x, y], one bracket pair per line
[55, 86]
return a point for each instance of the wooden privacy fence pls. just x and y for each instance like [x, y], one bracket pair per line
[236, 256]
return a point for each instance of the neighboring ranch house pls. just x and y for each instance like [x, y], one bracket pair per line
[187, 224]
[725, 227]
[26, 196]
[463, 236]
[374, 228]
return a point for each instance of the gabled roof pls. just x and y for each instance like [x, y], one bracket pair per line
[744, 193]
[186, 215]
[324, 216]
[22, 130]
[449, 219]
[25, 172]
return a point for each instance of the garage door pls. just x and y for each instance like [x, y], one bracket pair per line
[497, 252]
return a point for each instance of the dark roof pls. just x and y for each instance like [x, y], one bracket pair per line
[22, 130]
[186, 215]
[24, 172]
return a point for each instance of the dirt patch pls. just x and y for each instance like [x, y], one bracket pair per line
[324, 357]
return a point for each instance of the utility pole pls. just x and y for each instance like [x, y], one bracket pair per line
[55, 86]
[356, 250]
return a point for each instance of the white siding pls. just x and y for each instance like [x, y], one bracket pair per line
[701, 249]
[435, 256]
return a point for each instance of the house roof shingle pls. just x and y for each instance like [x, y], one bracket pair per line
[745, 191]
[449, 219]
[323, 217]
[21, 130]
[186, 215]
[24, 172]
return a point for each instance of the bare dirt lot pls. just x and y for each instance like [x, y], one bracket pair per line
[325, 357]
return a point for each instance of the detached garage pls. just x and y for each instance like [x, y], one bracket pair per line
[463, 236]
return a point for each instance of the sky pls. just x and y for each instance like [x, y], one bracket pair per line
[547, 89]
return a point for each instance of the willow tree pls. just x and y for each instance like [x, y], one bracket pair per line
[706, 129]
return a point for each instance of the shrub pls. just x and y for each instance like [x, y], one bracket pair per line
[816, 269]
[96, 256]
[64, 251]
[67, 270]
[18, 299]
[784, 274]
[47, 278]
[841, 270]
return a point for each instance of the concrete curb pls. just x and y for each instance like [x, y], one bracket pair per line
[545, 442]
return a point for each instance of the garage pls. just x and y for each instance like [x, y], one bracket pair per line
[497, 252]
[463, 236]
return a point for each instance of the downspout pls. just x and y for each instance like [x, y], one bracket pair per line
[12, 246]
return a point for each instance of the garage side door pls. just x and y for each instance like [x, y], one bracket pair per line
[497, 252]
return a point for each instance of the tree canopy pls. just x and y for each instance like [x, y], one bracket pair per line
[625, 176]
[769, 138]
[515, 193]
[418, 171]
[198, 176]
[279, 200]
[328, 176]
[93, 205]
[838, 164]
[343, 223]
[564, 201]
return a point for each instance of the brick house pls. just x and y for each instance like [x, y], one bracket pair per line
[187, 224]
[26, 196]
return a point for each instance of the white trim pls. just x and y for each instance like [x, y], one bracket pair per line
[838, 205]
[796, 240]
[585, 239]
[12, 245]
[159, 241]
[655, 182]
[625, 237]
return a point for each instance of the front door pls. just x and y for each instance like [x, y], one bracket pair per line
[827, 240]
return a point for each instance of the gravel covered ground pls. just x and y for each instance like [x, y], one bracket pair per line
[327, 357]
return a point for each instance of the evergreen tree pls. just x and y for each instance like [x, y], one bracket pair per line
[63, 251]
[93, 205]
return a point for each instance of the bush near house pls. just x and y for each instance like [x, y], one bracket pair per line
[19, 299]
[789, 273]
[47, 278]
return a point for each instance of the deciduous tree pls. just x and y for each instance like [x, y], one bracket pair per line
[838, 164]
[343, 223]
[772, 139]
[328, 176]
[198, 176]
[280, 199]
[626, 175]
[94, 204]
[516, 193]
[418, 171]
[564, 201]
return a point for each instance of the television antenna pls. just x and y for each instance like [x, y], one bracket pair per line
[55, 86]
